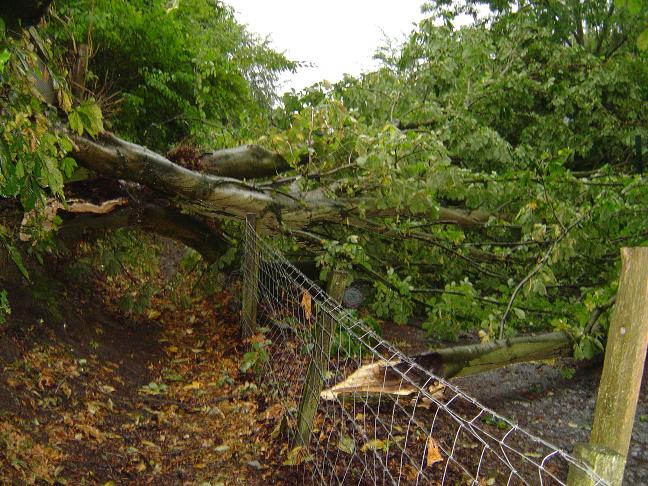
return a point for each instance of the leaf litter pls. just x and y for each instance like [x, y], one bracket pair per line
[115, 399]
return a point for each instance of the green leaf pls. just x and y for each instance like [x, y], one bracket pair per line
[5, 309]
[52, 175]
[68, 165]
[74, 119]
[4, 59]
[642, 40]
[91, 116]
[632, 6]
[15, 256]
[346, 444]
[86, 117]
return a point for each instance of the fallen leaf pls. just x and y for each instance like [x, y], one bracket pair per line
[13, 383]
[375, 445]
[346, 444]
[194, 385]
[152, 314]
[106, 388]
[150, 444]
[306, 304]
[297, 456]
[91, 431]
[433, 452]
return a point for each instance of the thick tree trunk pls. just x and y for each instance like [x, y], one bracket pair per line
[387, 377]
[214, 196]
[477, 358]
[245, 162]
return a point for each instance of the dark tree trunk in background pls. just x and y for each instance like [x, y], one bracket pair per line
[17, 13]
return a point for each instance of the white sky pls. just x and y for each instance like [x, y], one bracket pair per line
[336, 36]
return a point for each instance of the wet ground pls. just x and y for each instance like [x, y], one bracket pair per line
[544, 402]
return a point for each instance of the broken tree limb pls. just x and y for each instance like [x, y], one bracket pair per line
[452, 362]
[477, 358]
[244, 162]
[167, 222]
[212, 196]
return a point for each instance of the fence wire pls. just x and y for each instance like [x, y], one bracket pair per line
[396, 423]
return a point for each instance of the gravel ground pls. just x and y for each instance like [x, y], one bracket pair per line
[560, 410]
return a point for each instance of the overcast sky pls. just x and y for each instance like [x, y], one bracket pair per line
[336, 36]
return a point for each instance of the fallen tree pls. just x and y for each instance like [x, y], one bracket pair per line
[453, 213]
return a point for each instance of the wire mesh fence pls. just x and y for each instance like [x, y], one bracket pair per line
[359, 411]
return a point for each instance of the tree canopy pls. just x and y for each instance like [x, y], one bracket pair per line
[482, 179]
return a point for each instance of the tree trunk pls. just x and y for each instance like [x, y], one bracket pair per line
[478, 358]
[217, 196]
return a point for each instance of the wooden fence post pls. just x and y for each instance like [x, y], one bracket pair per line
[250, 276]
[618, 392]
[318, 367]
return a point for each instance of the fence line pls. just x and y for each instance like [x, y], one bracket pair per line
[394, 422]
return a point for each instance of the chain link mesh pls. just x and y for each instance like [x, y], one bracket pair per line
[404, 425]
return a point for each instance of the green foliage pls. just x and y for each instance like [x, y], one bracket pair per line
[347, 343]
[525, 120]
[187, 71]
[86, 118]
[5, 309]
[518, 117]
[392, 300]
[31, 151]
[257, 356]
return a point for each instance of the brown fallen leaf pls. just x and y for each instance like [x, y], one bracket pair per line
[306, 304]
[91, 431]
[296, 456]
[194, 385]
[433, 452]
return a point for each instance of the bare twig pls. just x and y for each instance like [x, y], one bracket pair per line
[537, 268]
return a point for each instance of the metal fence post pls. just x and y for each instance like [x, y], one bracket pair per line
[318, 367]
[618, 392]
[250, 276]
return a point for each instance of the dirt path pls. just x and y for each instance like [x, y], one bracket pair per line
[89, 396]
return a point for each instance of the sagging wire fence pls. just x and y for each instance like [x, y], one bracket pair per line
[359, 411]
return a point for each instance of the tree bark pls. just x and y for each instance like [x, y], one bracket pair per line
[478, 358]
[167, 222]
[212, 196]
[244, 162]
